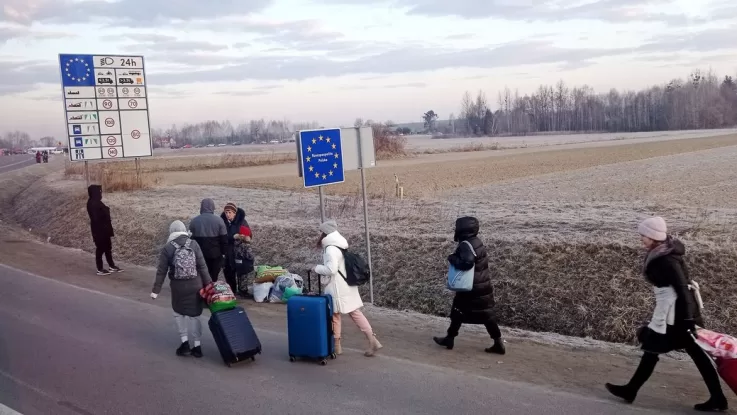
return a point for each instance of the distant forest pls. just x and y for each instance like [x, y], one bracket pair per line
[701, 101]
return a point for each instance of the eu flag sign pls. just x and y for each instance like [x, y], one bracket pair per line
[322, 157]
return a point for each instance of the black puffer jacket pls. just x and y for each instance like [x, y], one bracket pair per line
[666, 268]
[476, 305]
[100, 223]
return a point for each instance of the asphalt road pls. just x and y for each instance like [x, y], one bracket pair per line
[10, 163]
[67, 350]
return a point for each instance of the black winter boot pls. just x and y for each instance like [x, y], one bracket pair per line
[713, 405]
[197, 351]
[497, 348]
[447, 342]
[184, 349]
[624, 392]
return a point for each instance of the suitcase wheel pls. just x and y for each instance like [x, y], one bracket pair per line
[292, 359]
[323, 362]
[333, 356]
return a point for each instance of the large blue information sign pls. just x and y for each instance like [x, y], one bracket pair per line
[322, 158]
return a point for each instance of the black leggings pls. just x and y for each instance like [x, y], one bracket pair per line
[700, 358]
[456, 321]
[108, 252]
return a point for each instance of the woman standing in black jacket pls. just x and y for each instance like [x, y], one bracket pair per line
[475, 306]
[674, 319]
[101, 227]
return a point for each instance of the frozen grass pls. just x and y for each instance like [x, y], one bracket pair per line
[565, 257]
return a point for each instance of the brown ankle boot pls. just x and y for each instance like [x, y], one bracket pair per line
[374, 345]
[338, 347]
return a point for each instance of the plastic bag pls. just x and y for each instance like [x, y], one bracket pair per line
[286, 281]
[218, 296]
[261, 291]
[717, 345]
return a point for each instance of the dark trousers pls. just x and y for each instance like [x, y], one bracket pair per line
[214, 265]
[230, 276]
[108, 252]
[700, 358]
[456, 321]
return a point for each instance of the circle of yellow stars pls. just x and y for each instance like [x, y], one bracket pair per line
[309, 158]
[87, 67]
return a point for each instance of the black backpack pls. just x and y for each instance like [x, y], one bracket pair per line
[357, 270]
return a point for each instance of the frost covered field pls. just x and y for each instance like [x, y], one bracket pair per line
[559, 220]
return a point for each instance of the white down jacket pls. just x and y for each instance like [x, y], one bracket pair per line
[345, 298]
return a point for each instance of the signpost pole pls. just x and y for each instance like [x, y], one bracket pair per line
[87, 173]
[322, 204]
[365, 216]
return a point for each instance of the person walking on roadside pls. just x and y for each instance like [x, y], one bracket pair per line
[211, 235]
[346, 298]
[674, 319]
[182, 261]
[234, 219]
[102, 230]
[475, 306]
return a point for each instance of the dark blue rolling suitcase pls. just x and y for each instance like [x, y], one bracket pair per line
[310, 325]
[234, 335]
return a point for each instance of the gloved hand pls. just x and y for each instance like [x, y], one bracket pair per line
[154, 296]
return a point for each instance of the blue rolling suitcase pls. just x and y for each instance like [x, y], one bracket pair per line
[310, 325]
[234, 335]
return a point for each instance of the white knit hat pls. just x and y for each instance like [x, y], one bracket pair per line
[654, 228]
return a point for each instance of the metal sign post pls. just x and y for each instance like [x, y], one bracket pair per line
[87, 173]
[365, 216]
[322, 204]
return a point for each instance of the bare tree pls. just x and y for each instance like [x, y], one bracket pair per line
[700, 101]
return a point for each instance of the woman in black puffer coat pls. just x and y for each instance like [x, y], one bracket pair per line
[674, 319]
[475, 306]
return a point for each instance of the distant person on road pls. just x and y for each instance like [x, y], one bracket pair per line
[346, 298]
[46, 156]
[102, 230]
[237, 228]
[674, 319]
[182, 261]
[475, 306]
[38, 157]
[211, 235]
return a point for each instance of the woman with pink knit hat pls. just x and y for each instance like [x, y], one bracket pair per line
[674, 319]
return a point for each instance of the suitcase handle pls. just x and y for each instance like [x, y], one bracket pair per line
[309, 283]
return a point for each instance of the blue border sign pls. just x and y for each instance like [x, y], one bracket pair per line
[322, 157]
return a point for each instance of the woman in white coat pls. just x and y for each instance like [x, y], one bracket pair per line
[346, 299]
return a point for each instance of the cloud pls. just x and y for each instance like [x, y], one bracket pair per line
[24, 76]
[703, 41]
[616, 11]
[22, 32]
[126, 12]
[397, 60]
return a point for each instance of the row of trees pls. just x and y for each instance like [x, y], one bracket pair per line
[22, 140]
[217, 132]
[701, 101]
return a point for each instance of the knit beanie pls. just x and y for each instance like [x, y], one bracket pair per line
[329, 226]
[654, 228]
[231, 207]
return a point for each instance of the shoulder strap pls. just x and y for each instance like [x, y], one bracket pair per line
[470, 246]
[186, 244]
[176, 245]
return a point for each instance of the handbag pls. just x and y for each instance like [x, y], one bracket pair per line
[461, 281]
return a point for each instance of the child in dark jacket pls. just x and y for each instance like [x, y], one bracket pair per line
[244, 259]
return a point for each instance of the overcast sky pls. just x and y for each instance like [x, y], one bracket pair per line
[335, 60]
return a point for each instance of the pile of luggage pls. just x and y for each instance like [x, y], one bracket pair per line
[275, 284]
